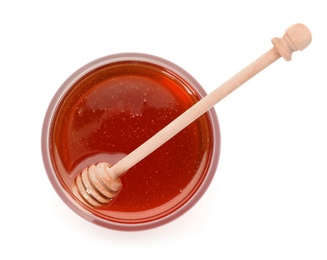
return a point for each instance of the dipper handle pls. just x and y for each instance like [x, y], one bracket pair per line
[100, 183]
[297, 37]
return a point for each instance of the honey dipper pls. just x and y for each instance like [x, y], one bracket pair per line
[98, 184]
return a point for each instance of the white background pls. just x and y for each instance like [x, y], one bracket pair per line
[268, 199]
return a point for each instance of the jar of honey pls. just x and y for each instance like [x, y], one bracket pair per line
[111, 106]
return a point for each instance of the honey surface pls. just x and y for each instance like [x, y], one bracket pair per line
[113, 111]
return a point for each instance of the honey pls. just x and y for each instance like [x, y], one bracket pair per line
[112, 110]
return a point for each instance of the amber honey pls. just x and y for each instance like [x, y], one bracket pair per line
[113, 109]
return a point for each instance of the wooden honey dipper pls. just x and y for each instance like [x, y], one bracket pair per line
[98, 184]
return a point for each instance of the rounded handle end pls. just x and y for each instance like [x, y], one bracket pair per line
[296, 38]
